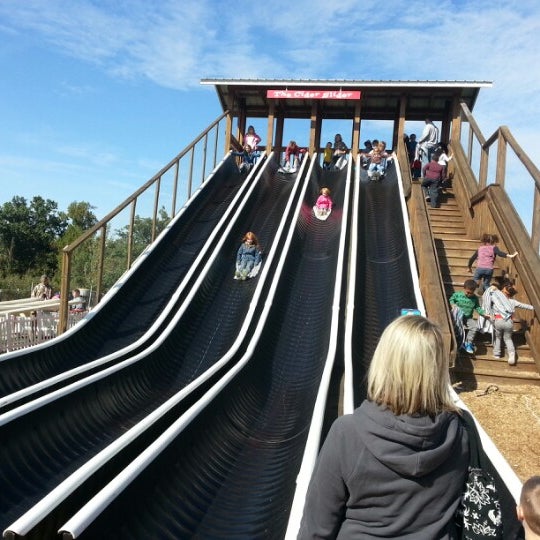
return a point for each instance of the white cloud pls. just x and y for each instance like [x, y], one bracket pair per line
[174, 44]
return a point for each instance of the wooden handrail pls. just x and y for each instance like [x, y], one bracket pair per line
[88, 233]
[504, 138]
[101, 225]
[491, 209]
[430, 277]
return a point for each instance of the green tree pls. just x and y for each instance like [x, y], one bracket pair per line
[115, 263]
[142, 231]
[28, 235]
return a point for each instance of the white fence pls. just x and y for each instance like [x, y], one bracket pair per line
[18, 331]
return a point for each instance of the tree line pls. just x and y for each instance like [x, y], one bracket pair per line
[33, 234]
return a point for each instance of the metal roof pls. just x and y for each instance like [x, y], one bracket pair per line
[380, 100]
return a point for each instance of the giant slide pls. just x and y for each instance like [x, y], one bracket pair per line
[120, 324]
[219, 458]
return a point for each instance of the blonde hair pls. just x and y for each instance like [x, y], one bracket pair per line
[409, 370]
[530, 503]
[325, 191]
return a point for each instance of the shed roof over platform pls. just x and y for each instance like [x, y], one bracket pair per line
[380, 100]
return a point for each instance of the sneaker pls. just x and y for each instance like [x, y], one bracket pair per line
[497, 356]
[512, 359]
[469, 348]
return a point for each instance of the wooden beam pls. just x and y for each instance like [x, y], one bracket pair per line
[270, 127]
[314, 135]
[400, 131]
[356, 130]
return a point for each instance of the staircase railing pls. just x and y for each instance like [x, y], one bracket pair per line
[173, 185]
[490, 209]
[504, 139]
[430, 278]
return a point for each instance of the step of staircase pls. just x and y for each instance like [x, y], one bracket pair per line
[454, 250]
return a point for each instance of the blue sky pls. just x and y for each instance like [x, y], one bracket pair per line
[96, 96]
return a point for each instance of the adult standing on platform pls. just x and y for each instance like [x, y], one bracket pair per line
[428, 141]
[396, 467]
[339, 159]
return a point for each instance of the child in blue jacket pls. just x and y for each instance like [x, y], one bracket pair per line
[248, 158]
[248, 257]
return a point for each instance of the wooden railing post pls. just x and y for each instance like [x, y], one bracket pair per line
[190, 179]
[156, 206]
[101, 262]
[535, 234]
[64, 291]
[216, 146]
[205, 149]
[501, 159]
[130, 233]
[175, 188]
[484, 161]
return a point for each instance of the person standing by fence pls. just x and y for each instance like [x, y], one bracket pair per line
[43, 290]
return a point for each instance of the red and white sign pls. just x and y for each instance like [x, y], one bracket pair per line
[313, 94]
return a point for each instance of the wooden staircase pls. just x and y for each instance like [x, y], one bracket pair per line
[454, 250]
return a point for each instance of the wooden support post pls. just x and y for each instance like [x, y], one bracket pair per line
[278, 143]
[356, 130]
[314, 134]
[228, 132]
[270, 128]
[241, 120]
[455, 135]
[446, 122]
[401, 121]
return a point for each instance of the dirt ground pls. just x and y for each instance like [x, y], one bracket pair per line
[510, 415]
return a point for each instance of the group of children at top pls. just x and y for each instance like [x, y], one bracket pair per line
[374, 156]
[498, 304]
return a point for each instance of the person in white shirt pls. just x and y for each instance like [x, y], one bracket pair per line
[428, 141]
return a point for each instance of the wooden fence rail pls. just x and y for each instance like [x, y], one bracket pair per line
[198, 146]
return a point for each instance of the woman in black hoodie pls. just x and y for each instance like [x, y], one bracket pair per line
[396, 467]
